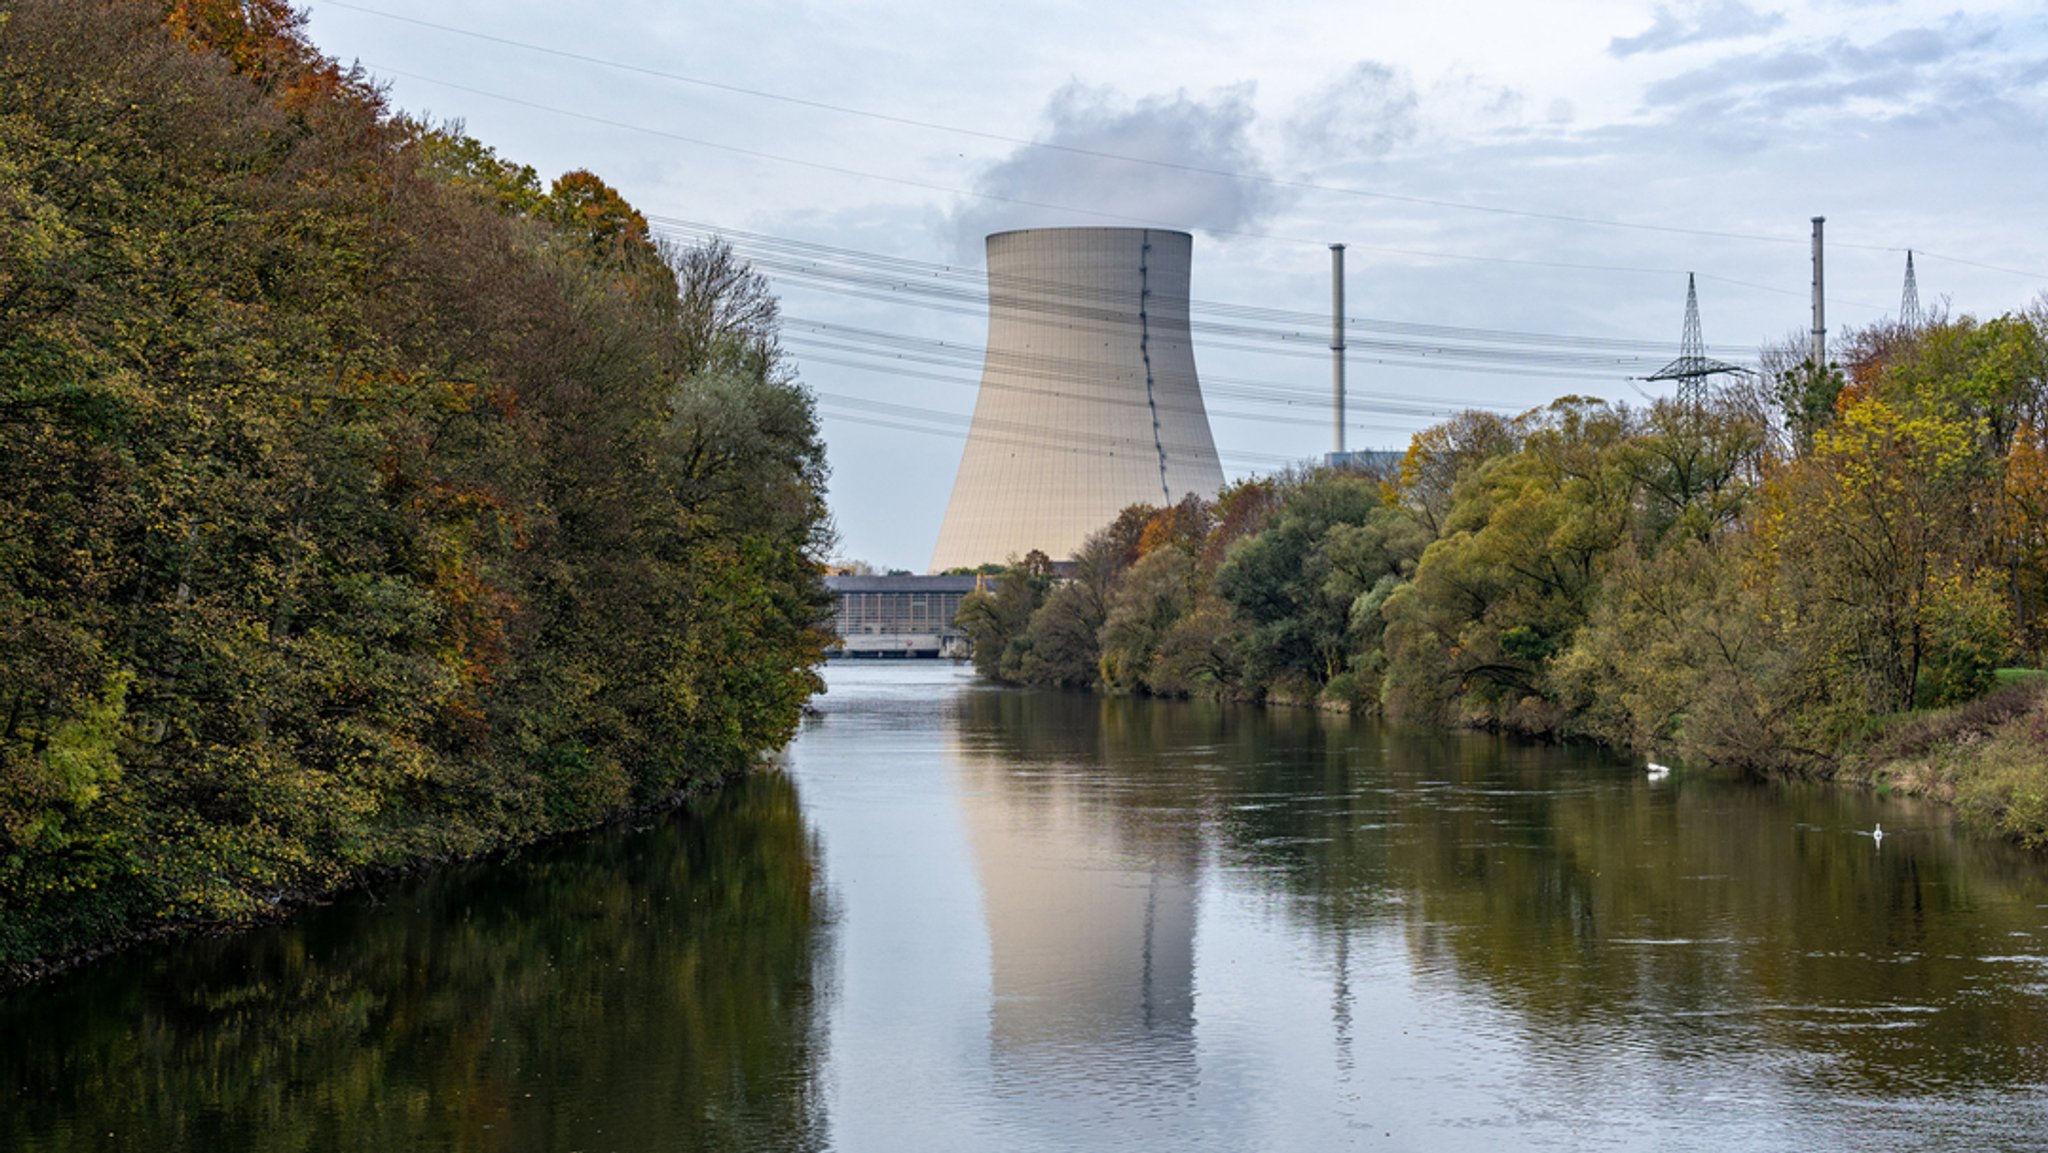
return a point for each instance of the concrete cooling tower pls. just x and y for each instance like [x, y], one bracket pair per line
[1088, 403]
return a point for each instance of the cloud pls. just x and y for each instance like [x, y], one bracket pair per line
[1365, 111]
[1711, 20]
[1899, 74]
[1081, 179]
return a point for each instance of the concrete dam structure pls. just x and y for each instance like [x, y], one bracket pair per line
[1089, 401]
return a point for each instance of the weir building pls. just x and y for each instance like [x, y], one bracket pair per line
[1089, 401]
[898, 616]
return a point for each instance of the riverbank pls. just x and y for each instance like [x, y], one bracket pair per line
[284, 905]
[1769, 579]
[1987, 758]
[370, 502]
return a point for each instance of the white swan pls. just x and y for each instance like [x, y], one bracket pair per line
[1659, 772]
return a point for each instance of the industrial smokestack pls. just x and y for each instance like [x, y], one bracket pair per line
[1820, 325]
[1089, 401]
[1337, 344]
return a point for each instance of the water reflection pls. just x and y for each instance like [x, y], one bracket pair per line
[1629, 955]
[1091, 924]
[1064, 922]
[647, 990]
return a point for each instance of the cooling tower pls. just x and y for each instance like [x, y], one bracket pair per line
[1088, 403]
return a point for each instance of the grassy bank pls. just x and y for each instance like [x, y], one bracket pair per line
[1988, 758]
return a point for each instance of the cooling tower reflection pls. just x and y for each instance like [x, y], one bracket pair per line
[1090, 897]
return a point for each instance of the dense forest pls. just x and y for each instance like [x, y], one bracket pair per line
[1821, 570]
[363, 499]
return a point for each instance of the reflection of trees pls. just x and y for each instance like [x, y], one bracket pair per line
[1717, 915]
[639, 991]
[1702, 913]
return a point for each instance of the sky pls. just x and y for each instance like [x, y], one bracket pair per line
[1554, 170]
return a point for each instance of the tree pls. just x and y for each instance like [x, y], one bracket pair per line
[1154, 595]
[1062, 644]
[1858, 532]
[1505, 587]
[995, 619]
[1439, 456]
[357, 505]
[1293, 586]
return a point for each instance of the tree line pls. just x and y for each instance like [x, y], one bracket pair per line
[1759, 580]
[363, 498]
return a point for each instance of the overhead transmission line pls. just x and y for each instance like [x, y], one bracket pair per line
[920, 281]
[1156, 162]
[1233, 327]
[1097, 214]
[1146, 161]
[847, 338]
[1068, 149]
[1067, 386]
[954, 426]
[969, 291]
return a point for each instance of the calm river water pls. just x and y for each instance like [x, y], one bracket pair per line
[972, 918]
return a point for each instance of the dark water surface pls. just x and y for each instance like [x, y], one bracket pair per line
[968, 918]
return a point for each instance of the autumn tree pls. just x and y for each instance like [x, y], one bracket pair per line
[358, 504]
[1866, 531]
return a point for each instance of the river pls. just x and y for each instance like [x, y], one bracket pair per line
[964, 917]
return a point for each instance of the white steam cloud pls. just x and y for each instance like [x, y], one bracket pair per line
[1199, 151]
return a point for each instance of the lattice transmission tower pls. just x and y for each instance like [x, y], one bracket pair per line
[1694, 370]
[1910, 315]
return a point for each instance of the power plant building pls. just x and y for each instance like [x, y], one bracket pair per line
[899, 616]
[1089, 401]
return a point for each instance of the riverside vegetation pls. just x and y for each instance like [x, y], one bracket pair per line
[363, 501]
[1823, 572]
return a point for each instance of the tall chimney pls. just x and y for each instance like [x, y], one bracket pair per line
[1337, 343]
[1820, 324]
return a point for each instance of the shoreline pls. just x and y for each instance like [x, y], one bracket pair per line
[1985, 759]
[1950, 757]
[15, 979]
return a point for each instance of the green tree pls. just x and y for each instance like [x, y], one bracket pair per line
[1860, 530]
[1506, 586]
[358, 509]
[1155, 595]
[995, 619]
[1293, 584]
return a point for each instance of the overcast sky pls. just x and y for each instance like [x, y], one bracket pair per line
[1549, 168]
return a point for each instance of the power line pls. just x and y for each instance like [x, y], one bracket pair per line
[1073, 150]
[904, 276]
[1019, 436]
[1530, 362]
[1220, 387]
[889, 277]
[894, 367]
[967, 290]
[1179, 166]
[2040, 276]
[877, 276]
[1021, 202]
